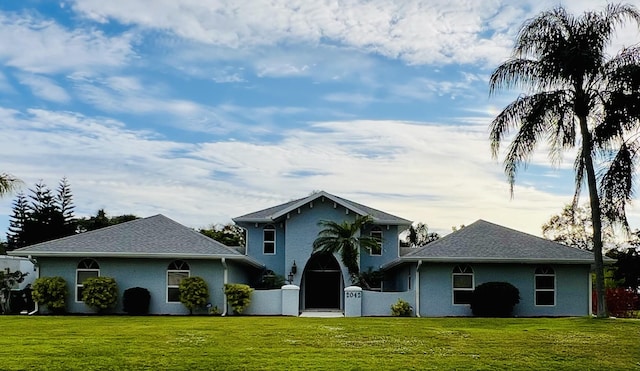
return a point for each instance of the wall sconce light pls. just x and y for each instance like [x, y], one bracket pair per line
[294, 270]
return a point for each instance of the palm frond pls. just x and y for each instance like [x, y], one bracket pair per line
[616, 184]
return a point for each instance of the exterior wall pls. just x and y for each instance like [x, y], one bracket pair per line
[572, 289]
[379, 303]
[255, 239]
[390, 243]
[302, 229]
[147, 273]
[264, 302]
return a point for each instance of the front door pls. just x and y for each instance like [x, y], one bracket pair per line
[322, 283]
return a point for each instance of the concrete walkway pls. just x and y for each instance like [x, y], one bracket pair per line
[322, 314]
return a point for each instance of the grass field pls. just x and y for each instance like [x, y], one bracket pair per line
[281, 343]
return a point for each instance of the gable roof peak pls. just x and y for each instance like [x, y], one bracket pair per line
[273, 213]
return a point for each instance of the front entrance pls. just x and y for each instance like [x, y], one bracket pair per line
[322, 283]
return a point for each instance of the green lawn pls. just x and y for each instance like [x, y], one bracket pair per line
[282, 343]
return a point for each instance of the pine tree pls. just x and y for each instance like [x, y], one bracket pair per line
[15, 236]
[64, 204]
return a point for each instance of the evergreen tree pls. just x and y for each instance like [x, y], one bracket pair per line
[64, 204]
[15, 236]
[42, 216]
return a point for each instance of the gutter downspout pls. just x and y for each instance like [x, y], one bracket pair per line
[36, 268]
[418, 288]
[224, 282]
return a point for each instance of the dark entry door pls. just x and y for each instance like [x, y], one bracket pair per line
[323, 284]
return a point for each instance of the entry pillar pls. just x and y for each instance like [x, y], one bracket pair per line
[290, 300]
[353, 301]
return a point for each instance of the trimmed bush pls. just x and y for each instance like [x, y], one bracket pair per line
[494, 299]
[135, 301]
[100, 293]
[401, 309]
[238, 296]
[51, 292]
[194, 293]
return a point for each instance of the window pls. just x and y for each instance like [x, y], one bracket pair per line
[87, 268]
[545, 286]
[269, 234]
[462, 284]
[176, 272]
[376, 233]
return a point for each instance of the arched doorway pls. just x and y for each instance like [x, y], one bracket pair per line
[322, 282]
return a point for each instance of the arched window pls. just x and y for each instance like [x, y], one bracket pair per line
[176, 272]
[87, 268]
[376, 233]
[269, 239]
[545, 289]
[462, 283]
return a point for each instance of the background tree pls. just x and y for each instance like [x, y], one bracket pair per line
[101, 220]
[42, 216]
[345, 238]
[17, 222]
[576, 96]
[419, 235]
[229, 234]
[573, 227]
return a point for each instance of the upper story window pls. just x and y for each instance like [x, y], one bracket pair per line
[376, 233]
[269, 239]
[87, 268]
[462, 282]
[176, 272]
[545, 289]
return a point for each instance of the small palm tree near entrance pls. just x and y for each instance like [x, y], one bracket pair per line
[346, 239]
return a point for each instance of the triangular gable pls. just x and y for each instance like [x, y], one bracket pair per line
[274, 213]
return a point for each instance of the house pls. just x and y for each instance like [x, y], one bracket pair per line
[437, 279]
[154, 253]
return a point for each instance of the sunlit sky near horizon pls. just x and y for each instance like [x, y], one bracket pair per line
[207, 110]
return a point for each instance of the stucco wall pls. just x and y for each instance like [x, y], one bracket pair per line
[572, 289]
[379, 303]
[264, 302]
[147, 273]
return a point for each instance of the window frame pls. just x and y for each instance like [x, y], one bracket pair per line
[544, 271]
[268, 228]
[176, 266]
[376, 230]
[461, 270]
[84, 266]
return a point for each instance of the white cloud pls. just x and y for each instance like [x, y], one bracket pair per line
[43, 46]
[44, 88]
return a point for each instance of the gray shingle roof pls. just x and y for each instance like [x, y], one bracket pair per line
[279, 211]
[155, 236]
[487, 242]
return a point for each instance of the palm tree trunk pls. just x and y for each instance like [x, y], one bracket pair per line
[594, 200]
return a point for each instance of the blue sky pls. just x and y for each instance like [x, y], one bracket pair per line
[206, 110]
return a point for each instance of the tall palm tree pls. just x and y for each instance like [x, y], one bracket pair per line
[8, 183]
[345, 238]
[576, 96]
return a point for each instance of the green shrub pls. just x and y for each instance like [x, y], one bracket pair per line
[494, 299]
[50, 291]
[135, 300]
[194, 293]
[401, 309]
[100, 293]
[238, 296]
